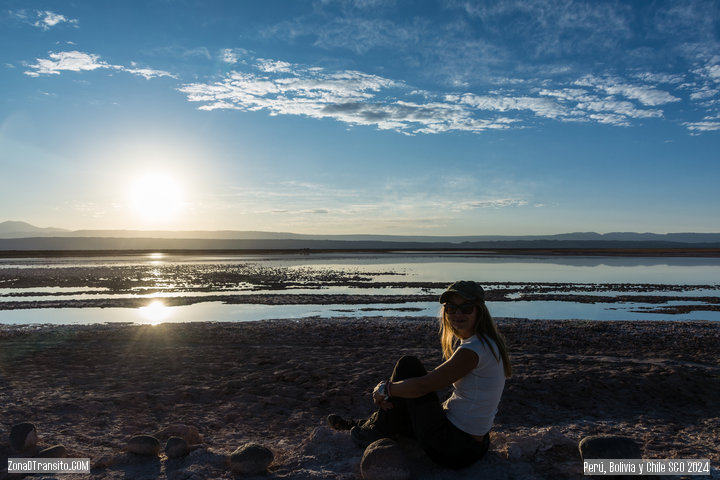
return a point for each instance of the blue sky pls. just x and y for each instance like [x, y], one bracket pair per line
[366, 116]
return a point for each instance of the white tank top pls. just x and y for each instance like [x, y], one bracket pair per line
[473, 404]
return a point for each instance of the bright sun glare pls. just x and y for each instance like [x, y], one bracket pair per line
[155, 312]
[156, 197]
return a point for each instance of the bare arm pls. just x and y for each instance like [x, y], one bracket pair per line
[460, 364]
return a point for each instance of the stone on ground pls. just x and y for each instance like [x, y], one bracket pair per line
[23, 436]
[250, 459]
[384, 460]
[609, 446]
[144, 445]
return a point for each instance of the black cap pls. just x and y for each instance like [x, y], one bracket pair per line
[467, 289]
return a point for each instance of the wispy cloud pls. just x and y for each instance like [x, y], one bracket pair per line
[546, 26]
[706, 88]
[75, 61]
[146, 72]
[647, 95]
[496, 203]
[44, 19]
[709, 124]
[540, 106]
[490, 82]
[356, 98]
[395, 203]
[233, 55]
[48, 19]
[348, 96]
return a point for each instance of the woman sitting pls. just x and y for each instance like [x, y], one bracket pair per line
[454, 434]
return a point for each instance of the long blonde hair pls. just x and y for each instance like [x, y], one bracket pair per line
[485, 328]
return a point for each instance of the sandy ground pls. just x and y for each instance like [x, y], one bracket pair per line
[90, 388]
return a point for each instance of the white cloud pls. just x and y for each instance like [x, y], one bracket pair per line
[274, 66]
[713, 72]
[47, 19]
[661, 78]
[610, 119]
[704, 126]
[542, 107]
[357, 98]
[147, 73]
[704, 92]
[75, 61]
[707, 83]
[618, 108]
[567, 94]
[348, 96]
[645, 94]
[233, 55]
[583, 105]
[497, 203]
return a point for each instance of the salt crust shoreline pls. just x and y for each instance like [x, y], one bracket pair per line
[92, 387]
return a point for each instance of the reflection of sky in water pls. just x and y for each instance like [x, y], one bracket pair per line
[435, 267]
[219, 312]
[67, 293]
[410, 267]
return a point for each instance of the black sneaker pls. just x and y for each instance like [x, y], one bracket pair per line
[363, 435]
[337, 422]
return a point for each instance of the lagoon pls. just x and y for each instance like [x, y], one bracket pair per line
[537, 287]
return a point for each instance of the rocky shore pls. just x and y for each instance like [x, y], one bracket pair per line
[100, 390]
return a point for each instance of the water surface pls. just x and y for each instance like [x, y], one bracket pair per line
[154, 277]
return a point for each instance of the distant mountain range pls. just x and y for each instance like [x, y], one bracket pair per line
[16, 235]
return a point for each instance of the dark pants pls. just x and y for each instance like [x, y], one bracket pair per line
[424, 419]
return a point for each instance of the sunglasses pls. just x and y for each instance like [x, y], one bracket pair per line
[465, 308]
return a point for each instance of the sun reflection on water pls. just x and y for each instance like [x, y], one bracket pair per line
[156, 312]
[156, 258]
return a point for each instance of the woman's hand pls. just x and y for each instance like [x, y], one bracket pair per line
[380, 398]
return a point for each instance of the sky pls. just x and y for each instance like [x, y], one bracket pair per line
[444, 117]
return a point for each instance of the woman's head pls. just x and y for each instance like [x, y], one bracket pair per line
[465, 314]
[463, 309]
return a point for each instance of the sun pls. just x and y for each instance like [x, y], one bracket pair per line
[156, 197]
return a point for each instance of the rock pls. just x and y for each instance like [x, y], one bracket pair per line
[23, 436]
[187, 432]
[609, 446]
[384, 460]
[176, 447]
[250, 459]
[529, 444]
[144, 445]
[56, 451]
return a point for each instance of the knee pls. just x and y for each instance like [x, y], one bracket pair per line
[407, 367]
[409, 361]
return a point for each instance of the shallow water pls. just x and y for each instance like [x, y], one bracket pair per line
[220, 312]
[153, 277]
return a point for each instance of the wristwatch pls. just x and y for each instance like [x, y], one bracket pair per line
[382, 390]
